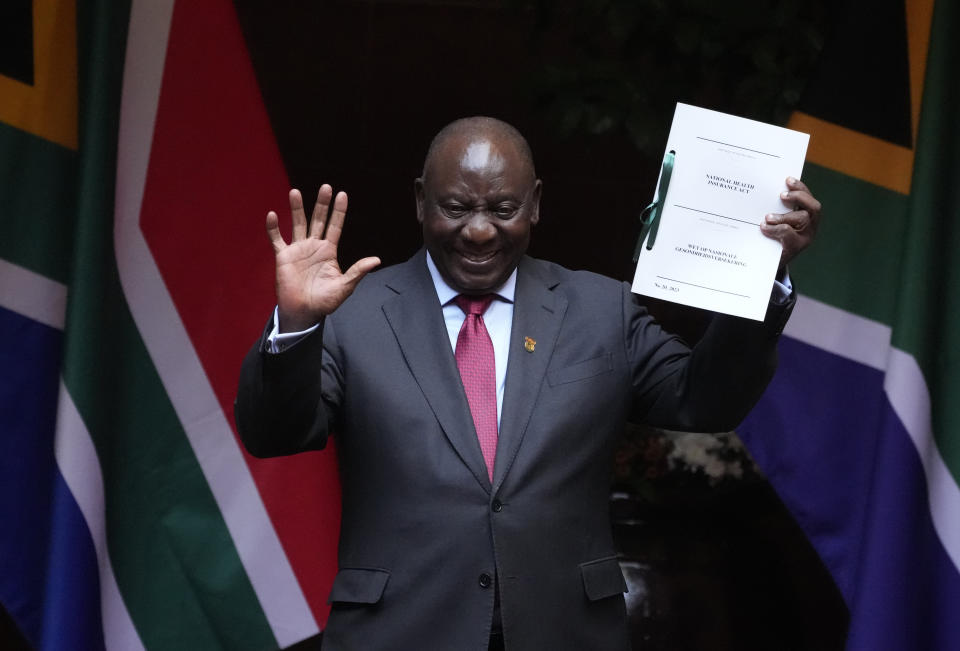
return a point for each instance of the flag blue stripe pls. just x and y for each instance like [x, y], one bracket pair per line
[814, 435]
[908, 590]
[48, 568]
[72, 617]
[840, 458]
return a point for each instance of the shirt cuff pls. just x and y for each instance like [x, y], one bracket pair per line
[278, 342]
[782, 288]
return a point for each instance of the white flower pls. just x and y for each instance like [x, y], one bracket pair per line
[696, 452]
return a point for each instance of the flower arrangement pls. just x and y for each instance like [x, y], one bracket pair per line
[656, 465]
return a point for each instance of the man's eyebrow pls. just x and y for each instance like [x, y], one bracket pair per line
[453, 196]
[510, 196]
[464, 197]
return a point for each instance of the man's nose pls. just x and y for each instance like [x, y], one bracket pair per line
[479, 229]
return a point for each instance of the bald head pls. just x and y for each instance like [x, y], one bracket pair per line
[480, 137]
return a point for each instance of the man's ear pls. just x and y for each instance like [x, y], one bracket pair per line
[535, 207]
[418, 193]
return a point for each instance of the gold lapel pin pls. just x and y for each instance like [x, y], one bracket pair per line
[529, 344]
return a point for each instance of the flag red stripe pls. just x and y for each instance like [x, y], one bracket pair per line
[214, 172]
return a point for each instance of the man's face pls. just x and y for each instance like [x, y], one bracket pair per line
[477, 202]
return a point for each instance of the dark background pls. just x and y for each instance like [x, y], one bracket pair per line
[356, 90]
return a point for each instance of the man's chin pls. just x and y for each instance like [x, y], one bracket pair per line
[473, 283]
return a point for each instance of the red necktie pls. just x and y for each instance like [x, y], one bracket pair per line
[477, 366]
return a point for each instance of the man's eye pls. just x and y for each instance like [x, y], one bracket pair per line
[505, 210]
[454, 210]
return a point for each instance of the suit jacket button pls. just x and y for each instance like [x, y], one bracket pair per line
[485, 580]
[497, 506]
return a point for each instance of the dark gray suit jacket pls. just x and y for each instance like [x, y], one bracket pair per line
[423, 528]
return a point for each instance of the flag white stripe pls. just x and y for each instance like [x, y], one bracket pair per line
[840, 332]
[907, 391]
[868, 342]
[44, 300]
[78, 462]
[32, 295]
[171, 350]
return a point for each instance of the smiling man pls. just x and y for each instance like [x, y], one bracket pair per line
[477, 200]
[476, 394]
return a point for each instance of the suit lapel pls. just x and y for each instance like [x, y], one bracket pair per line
[417, 322]
[538, 313]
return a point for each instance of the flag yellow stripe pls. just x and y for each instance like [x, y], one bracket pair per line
[856, 154]
[48, 108]
[866, 157]
[919, 15]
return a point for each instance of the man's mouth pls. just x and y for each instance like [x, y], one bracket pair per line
[477, 258]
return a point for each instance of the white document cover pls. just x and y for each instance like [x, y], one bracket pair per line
[728, 175]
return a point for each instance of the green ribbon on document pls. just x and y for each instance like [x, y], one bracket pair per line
[650, 217]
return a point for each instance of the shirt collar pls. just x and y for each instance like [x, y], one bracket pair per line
[446, 293]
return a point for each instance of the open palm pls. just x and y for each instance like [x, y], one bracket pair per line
[310, 283]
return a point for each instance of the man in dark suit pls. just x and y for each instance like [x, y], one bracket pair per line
[475, 443]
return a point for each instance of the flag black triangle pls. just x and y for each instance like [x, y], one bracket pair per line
[16, 40]
[863, 78]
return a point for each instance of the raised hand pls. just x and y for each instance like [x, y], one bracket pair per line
[796, 229]
[310, 283]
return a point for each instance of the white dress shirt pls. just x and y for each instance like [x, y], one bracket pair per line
[498, 319]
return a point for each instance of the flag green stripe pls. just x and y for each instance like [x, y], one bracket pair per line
[855, 262]
[173, 557]
[37, 203]
[928, 321]
[174, 560]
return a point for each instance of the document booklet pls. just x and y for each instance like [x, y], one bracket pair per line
[701, 244]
